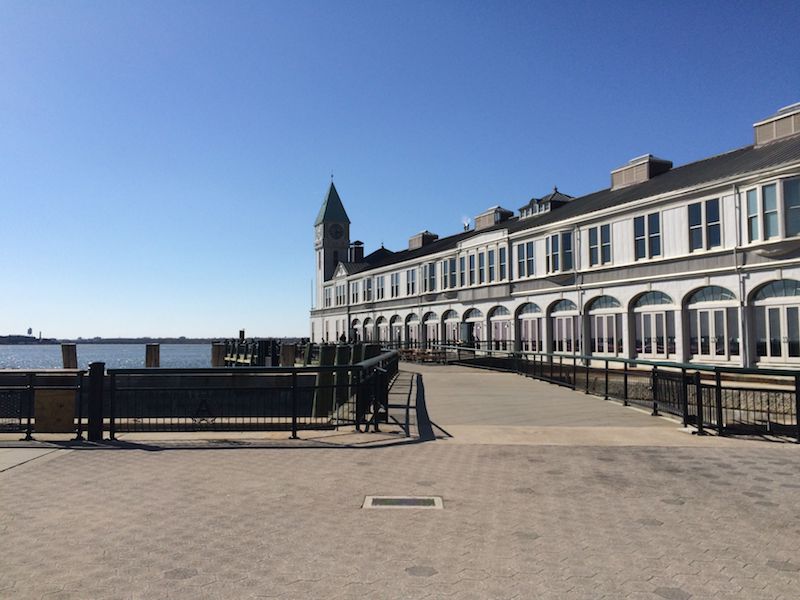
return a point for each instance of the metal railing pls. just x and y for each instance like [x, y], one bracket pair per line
[728, 400]
[18, 392]
[249, 398]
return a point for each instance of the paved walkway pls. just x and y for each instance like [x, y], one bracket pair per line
[682, 517]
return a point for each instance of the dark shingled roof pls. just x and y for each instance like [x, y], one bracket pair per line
[332, 209]
[554, 196]
[736, 162]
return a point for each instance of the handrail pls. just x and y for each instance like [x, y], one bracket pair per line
[630, 361]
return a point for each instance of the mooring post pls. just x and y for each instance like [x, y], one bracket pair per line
[152, 356]
[97, 373]
[69, 356]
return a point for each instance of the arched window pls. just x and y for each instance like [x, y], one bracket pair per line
[412, 331]
[654, 318]
[564, 327]
[500, 323]
[713, 316]
[777, 321]
[451, 324]
[529, 326]
[395, 330]
[473, 328]
[605, 326]
[430, 324]
[369, 330]
[651, 299]
[382, 326]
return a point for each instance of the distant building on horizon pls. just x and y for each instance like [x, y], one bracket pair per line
[697, 263]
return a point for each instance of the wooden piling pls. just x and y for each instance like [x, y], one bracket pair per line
[69, 356]
[152, 356]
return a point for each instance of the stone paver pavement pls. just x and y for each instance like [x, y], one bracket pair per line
[689, 519]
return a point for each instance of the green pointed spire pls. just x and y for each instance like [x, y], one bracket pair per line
[332, 209]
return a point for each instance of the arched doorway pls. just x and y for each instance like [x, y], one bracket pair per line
[712, 313]
[776, 307]
[451, 327]
[430, 329]
[412, 331]
[564, 327]
[500, 322]
[369, 330]
[653, 314]
[473, 333]
[604, 327]
[529, 328]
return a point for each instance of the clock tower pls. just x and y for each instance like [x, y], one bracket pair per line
[331, 239]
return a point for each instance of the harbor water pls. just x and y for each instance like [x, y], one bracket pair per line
[116, 356]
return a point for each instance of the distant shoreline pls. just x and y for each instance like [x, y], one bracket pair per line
[21, 340]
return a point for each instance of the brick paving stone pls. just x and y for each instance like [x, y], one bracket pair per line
[520, 520]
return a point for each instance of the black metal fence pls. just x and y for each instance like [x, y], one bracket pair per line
[214, 399]
[18, 393]
[727, 400]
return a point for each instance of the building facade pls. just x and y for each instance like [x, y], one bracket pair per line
[698, 263]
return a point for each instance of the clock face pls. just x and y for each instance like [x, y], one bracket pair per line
[336, 231]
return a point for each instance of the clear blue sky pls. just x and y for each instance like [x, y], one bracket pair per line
[162, 163]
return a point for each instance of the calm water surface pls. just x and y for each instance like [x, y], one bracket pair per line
[116, 356]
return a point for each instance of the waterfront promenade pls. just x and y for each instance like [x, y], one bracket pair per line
[547, 493]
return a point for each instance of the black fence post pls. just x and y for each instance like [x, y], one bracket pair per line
[574, 372]
[294, 404]
[112, 407]
[588, 363]
[97, 371]
[797, 405]
[654, 384]
[699, 399]
[79, 396]
[685, 396]
[29, 393]
[718, 398]
[625, 385]
[606, 382]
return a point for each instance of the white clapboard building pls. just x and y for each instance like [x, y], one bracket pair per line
[696, 263]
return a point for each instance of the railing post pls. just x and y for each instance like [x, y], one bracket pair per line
[294, 404]
[112, 403]
[29, 393]
[587, 377]
[574, 372]
[654, 380]
[699, 398]
[797, 405]
[685, 396]
[606, 382]
[79, 396]
[718, 398]
[625, 385]
[97, 372]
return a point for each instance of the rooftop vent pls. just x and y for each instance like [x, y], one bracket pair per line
[782, 124]
[421, 239]
[494, 215]
[639, 169]
[357, 251]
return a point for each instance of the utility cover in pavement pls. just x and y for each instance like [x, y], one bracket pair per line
[403, 502]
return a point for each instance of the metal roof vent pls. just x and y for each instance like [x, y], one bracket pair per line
[782, 124]
[638, 170]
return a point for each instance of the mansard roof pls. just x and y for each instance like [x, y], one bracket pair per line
[749, 159]
[332, 209]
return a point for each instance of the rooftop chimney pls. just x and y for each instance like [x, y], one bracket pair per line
[494, 215]
[421, 239]
[782, 124]
[639, 169]
[356, 252]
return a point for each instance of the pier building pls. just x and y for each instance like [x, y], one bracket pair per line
[695, 263]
